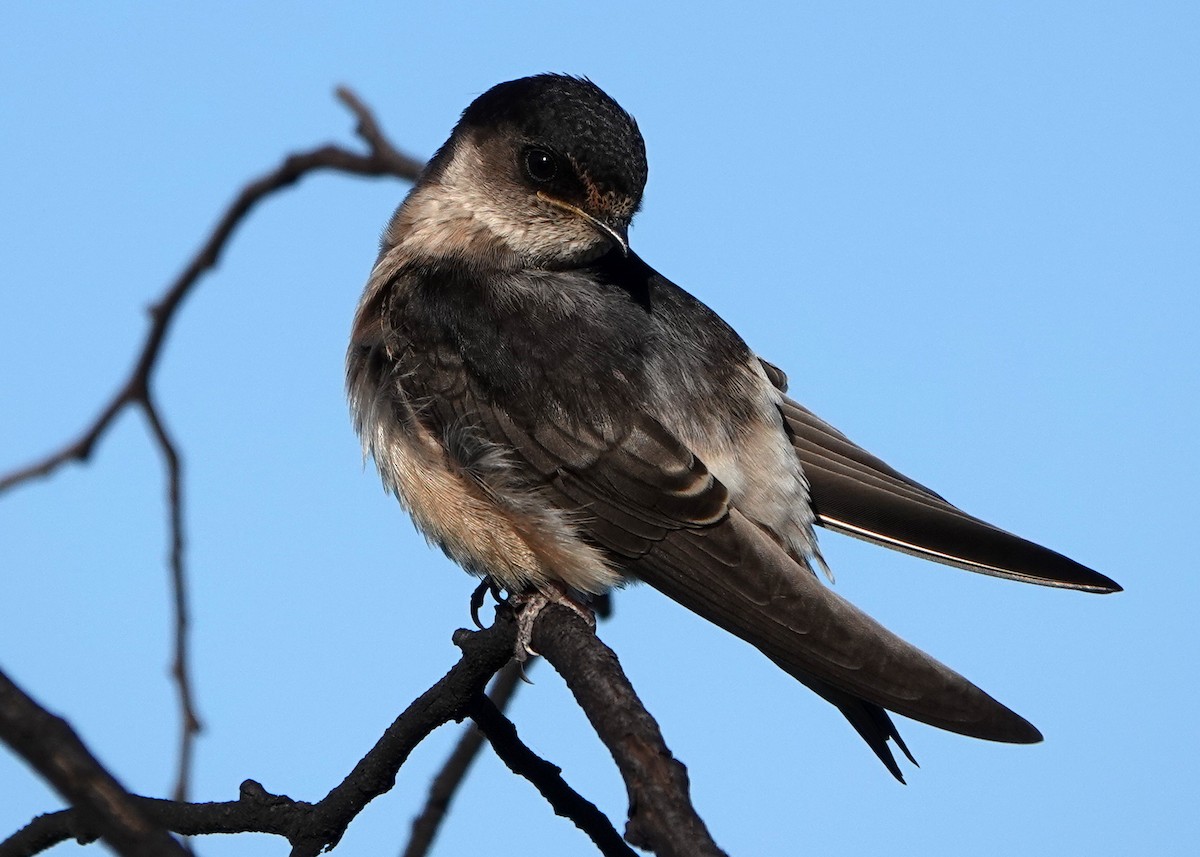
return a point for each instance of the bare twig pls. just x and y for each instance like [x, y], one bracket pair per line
[51, 746]
[392, 160]
[484, 652]
[310, 828]
[382, 158]
[256, 811]
[547, 779]
[661, 816]
[454, 770]
[382, 161]
[189, 721]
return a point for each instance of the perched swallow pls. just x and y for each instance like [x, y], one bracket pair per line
[554, 413]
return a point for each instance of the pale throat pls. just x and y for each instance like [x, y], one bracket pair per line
[467, 214]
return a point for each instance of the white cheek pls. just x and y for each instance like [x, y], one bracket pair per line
[553, 238]
[469, 212]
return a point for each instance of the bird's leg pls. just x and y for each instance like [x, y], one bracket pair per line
[528, 605]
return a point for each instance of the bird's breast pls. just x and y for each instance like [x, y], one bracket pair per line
[477, 511]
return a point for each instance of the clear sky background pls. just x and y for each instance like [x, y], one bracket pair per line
[970, 232]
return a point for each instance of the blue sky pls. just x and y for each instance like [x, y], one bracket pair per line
[969, 232]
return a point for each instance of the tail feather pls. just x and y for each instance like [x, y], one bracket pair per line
[761, 595]
[871, 722]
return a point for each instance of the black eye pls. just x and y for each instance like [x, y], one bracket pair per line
[540, 164]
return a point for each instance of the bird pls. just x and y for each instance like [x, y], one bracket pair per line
[560, 418]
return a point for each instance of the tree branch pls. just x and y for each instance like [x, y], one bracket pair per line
[387, 158]
[661, 816]
[454, 770]
[255, 811]
[50, 745]
[381, 159]
[189, 720]
[310, 828]
[547, 779]
[484, 652]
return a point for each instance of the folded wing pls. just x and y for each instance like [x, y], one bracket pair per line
[855, 493]
[644, 497]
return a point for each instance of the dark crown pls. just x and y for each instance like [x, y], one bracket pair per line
[575, 118]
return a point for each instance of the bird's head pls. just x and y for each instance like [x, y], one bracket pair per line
[545, 171]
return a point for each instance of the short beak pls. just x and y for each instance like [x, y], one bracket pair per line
[619, 236]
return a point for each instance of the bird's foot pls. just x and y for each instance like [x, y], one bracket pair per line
[488, 584]
[528, 606]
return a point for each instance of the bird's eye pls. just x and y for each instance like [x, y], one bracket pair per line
[541, 165]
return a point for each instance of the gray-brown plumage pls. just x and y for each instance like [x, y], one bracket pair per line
[553, 411]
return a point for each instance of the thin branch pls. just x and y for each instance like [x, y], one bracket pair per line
[446, 782]
[51, 746]
[382, 158]
[256, 811]
[454, 770]
[547, 779]
[189, 720]
[394, 161]
[310, 828]
[661, 816]
[484, 653]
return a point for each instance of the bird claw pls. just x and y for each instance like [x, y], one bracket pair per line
[528, 606]
[485, 586]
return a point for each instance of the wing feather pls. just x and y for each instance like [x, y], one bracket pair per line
[649, 500]
[855, 493]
